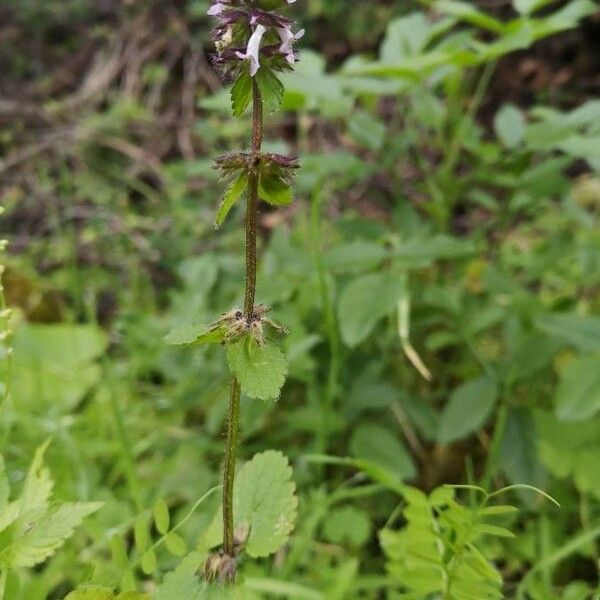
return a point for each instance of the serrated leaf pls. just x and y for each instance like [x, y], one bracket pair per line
[264, 498]
[241, 93]
[232, 195]
[162, 518]
[148, 562]
[271, 89]
[175, 544]
[261, 370]
[36, 535]
[274, 191]
[38, 484]
[192, 335]
[364, 302]
[578, 394]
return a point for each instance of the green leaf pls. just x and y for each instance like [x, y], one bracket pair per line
[241, 93]
[364, 302]
[380, 446]
[405, 37]
[526, 7]
[175, 544]
[578, 394]
[232, 195]
[4, 486]
[494, 530]
[468, 409]
[509, 124]
[141, 533]
[63, 357]
[148, 562]
[271, 89]
[580, 331]
[36, 535]
[260, 369]
[162, 518]
[192, 335]
[183, 583]
[102, 593]
[274, 190]
[367, 130]
[265, 499]
[571, 449]
[348, 525]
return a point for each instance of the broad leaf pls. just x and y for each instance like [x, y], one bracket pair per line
[580, 331]
[264, 499]
[271, 89]
[348, 525]
[378, 445]
[578, 394]
[260, 369]
[275, 191]
[509, 124]
[571, 450]
[55, 365]
[468, 409]
[364, 302]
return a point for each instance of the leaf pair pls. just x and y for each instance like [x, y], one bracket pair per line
[271, 91]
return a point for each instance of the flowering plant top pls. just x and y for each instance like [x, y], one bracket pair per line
[251, 35]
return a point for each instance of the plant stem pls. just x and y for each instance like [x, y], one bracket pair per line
[251, 208]
[233, 420]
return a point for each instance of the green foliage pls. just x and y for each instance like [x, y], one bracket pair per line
[63, 357]
[578, 394]
[438, 272]
[31, 529]
[97, 593]
[364, 302]
[467, 410]
[232, 195]
[438, 551]
[271, 89]
[265, 500]
[241, 93]
[260, 368]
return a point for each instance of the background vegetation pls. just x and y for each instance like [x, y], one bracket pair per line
[439, 271]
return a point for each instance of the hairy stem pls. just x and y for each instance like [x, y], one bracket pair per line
[257, 134]
[250, 294]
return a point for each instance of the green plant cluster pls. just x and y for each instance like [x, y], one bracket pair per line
[439, 277]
